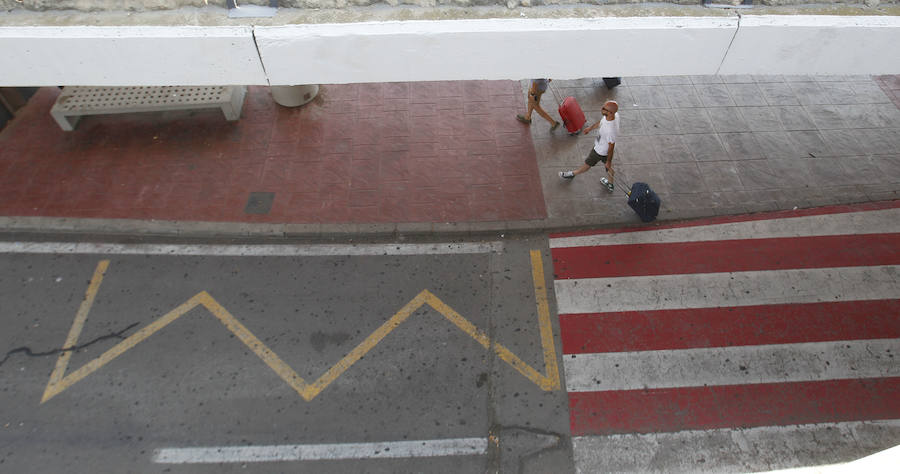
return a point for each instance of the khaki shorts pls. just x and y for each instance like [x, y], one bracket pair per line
[594, 158]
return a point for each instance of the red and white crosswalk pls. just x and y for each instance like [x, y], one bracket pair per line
[737, 343]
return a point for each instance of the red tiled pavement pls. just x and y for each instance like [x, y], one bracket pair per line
[398, 152]
[891, 86]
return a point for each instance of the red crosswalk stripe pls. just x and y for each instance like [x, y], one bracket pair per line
[726, 256]
[739, 406]
[729, 326]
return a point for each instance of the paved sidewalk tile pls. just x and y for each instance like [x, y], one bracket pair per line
[433, 152]
[736, 144]
[360, 153]
[891, 87]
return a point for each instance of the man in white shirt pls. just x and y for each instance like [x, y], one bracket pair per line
[604, 145]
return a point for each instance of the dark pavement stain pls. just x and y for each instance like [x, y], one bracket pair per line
[320, 339]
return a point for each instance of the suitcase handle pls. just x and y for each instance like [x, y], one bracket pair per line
[627, 188]
[553, 92]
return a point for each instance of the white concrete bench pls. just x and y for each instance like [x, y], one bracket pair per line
[77, 101]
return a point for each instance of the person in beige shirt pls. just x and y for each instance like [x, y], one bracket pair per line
[538, 87]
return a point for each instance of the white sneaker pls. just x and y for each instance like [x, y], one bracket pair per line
[566, 174]
[609, 186]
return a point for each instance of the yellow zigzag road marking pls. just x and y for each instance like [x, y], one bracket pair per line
[58, 382]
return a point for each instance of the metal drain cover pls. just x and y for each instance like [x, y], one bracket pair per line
[259, 203]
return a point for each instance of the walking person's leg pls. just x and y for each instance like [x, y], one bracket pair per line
[534, 104]
[533, 98]
[609, 167]
[592, 159]
[529, 107]
[542, 112]
[612, 176]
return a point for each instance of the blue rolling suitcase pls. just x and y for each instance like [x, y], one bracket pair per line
[644, 201]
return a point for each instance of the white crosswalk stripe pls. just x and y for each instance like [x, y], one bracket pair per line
[711, 290]
[771, 363]
[873, 222]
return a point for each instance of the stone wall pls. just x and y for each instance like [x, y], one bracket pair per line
[157, 5]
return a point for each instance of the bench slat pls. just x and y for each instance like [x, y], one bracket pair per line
[77, 101]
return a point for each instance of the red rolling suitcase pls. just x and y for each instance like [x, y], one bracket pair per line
[571, 114]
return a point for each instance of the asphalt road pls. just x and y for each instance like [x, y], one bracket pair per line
[748, 343]
[284, 354]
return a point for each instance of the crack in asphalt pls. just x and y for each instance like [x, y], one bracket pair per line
[493, 447]
[560, 442]
[28, 352]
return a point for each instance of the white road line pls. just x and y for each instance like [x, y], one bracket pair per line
[311, 250]
[735, 450]
[713, 290]
[319, 452]
[867, 222]
[738, 365]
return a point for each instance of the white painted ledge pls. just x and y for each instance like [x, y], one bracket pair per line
[800, 44]
[129, 56]
[493, 49]
[448, 50]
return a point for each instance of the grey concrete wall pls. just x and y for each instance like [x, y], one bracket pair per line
[156, 5]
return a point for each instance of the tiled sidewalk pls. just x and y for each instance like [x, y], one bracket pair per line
[428, 153]
[715, 145]
[419, 152]
[891, 87]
